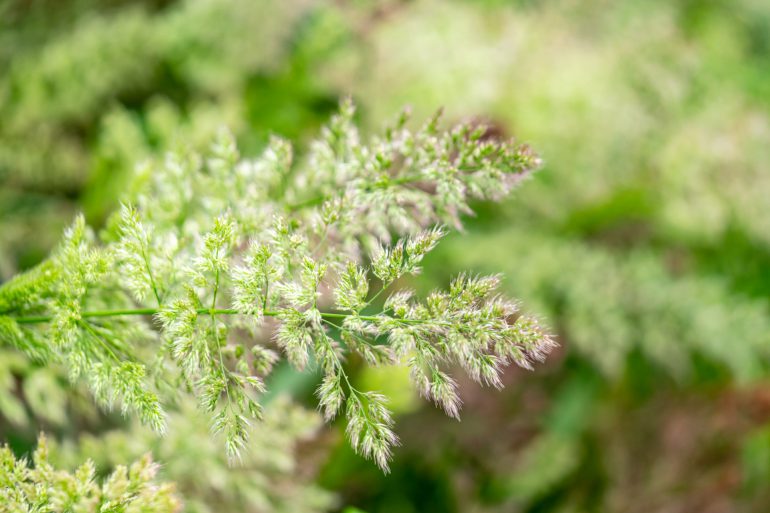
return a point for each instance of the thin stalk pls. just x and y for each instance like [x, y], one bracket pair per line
[40, 319]
[149, 273]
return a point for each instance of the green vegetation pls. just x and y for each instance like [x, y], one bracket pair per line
[39, 487]
[643, 244]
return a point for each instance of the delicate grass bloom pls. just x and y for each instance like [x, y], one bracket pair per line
[38, 486]
[216, 262]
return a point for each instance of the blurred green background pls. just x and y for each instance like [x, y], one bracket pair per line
[644, 242]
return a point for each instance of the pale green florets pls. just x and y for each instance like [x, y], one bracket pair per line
[135, 257]
[41, 487]
[370, 427]
[214, 245]
[269, 478]
[352, 288]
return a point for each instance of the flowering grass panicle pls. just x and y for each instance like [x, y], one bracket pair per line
[41, 487]
[208, 247]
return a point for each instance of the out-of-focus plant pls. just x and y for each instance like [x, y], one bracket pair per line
[40, 487]
[32, 395]
[268, 479]
[106, 57]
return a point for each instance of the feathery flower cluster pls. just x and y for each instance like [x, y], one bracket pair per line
[41, 487]
[214, 259]
[268, 478]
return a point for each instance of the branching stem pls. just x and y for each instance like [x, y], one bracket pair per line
[40, 319]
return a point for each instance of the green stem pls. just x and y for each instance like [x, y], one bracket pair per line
[38, 319]
[149, 273]
[99, 339]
